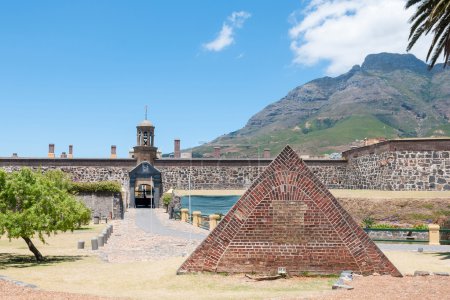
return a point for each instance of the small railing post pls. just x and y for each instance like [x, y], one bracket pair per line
[433, 234]
[184, 214]
[213, 221]
[196, 218]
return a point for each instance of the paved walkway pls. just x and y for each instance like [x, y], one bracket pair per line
[150, 221]
[148, 234]
[412, 247]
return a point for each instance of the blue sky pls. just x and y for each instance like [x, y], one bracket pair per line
[81, 72]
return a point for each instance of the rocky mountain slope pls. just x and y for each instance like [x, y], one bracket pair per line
[389, 95]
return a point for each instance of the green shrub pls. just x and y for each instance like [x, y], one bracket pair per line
[384, 226]
[420, 226]
[368, 222]
[166, 198]
[93, 187]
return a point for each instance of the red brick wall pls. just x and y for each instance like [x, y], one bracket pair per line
[287, 218]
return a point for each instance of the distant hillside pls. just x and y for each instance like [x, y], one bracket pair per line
[389, 95]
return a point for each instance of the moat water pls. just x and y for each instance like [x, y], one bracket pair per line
[210, 204]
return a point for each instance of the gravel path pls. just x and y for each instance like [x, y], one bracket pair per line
[147, 234]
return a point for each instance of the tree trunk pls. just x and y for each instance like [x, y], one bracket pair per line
[33, 249]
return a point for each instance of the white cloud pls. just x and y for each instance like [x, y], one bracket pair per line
[343, 32]
[226, 35]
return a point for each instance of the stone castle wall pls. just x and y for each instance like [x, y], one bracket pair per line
[395, 165]
[82, 170]
[392, 165]
[225, 176]
[86, 174]
[401, 170]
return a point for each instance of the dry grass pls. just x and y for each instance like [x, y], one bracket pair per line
[81, 271]
[366, 194]
[382, 195]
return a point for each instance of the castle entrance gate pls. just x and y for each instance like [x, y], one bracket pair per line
[145, 186]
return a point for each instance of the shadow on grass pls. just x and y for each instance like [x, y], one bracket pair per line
[83, 228]
[13, 260]
[443, 255]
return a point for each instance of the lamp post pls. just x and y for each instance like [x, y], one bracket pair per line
[151, 204]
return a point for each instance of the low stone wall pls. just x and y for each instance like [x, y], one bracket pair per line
[104, 204]
[398, 235]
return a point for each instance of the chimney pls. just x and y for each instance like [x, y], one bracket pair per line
[70, 151]
[113, 152]
[51, 150]
[63, 155]
[216, 152]
[176, 151]
[266, 153]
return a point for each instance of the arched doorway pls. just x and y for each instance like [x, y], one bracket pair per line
[144, 195]
[145, 186]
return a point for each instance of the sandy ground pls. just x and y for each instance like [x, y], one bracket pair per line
[387, 287]
[10, 291]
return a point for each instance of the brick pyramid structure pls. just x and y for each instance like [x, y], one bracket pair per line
[288, 218]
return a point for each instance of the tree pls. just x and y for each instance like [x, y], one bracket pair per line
[431, 16]
[36, 203]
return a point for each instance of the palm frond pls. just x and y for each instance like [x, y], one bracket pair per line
[431, 16]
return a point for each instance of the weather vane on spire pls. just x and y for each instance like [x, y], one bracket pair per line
[146, 112]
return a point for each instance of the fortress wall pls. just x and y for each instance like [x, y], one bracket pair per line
[238, 174]
[415, 164]
[401, 170]
[83, 170]
[399, 165]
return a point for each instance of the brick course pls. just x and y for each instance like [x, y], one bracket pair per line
[288, 218]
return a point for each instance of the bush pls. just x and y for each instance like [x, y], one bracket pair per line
[368, 222]
[94, 187]
[421, 226]
[384, 226]
[166, 198]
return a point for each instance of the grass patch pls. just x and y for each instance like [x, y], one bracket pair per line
[428, 206]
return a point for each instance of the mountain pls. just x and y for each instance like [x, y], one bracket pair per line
[389, 95]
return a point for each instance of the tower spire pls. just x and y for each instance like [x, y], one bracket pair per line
[146, 112]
